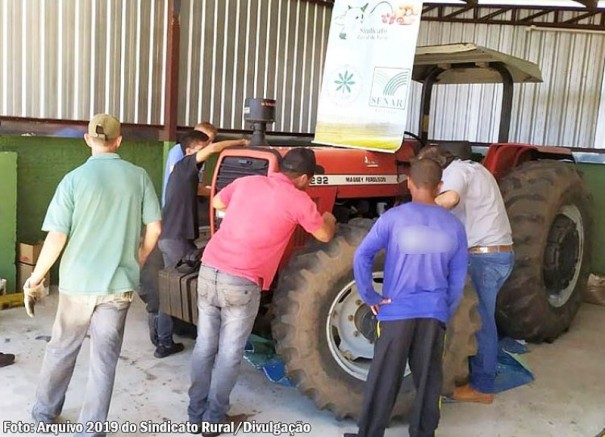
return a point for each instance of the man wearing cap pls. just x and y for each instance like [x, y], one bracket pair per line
[240, 260]
[96, 214]
[470, 191]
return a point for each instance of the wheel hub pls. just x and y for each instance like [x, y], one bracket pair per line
[351, 330]
[348, 330]
[563, 255]
[365, 322]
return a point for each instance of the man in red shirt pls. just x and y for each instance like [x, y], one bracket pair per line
[241, 259]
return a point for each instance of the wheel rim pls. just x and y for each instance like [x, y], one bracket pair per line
[563, 255]
[351, 329]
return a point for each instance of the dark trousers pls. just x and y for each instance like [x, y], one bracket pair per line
[149, 293]
[420, 341]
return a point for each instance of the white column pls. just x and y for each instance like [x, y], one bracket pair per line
[599, 140]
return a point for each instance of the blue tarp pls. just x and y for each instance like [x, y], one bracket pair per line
[260, 352]
[512, 369]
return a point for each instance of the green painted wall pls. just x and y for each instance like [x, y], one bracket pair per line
[8, 217]
[42, 162]
[594, 175]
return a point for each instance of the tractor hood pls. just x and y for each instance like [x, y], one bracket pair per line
[466, 63]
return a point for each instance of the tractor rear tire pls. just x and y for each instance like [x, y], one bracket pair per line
[307, 291]
[549, 209]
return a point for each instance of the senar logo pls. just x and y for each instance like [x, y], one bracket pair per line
[389, 87]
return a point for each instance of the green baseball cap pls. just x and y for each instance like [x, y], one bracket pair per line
[104, 126]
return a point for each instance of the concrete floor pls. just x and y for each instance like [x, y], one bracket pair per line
[567, 398]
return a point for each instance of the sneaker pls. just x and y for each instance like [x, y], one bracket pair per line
[164, 351]
[466, 393]
[6, 359]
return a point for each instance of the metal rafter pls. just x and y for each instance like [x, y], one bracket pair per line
[591, 4]
[544, 16]
[517, 16]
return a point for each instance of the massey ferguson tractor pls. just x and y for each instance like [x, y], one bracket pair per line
[322, 329]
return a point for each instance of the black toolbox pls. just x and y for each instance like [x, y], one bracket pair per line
[178, 294]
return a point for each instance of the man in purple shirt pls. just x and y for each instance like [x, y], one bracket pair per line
[424, 275]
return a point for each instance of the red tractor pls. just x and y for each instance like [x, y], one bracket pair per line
[322, 329]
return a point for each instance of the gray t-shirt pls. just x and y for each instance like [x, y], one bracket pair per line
[481, 207]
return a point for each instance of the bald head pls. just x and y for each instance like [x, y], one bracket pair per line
[425, 174]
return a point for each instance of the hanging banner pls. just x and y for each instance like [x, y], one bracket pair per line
[367, 73]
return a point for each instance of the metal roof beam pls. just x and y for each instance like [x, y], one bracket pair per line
[571, 18]
[457, 12]
[590, 4]
[581, 17]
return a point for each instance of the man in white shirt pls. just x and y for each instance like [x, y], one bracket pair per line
[472, 194]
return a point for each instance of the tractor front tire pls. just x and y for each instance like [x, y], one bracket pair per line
[549, 209]
[318, 310]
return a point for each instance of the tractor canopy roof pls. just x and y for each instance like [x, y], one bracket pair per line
[467, 63]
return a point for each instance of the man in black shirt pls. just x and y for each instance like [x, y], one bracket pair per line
[180, 226]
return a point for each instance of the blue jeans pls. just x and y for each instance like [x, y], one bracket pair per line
[104, 317]
[488, 272]
[227, 307]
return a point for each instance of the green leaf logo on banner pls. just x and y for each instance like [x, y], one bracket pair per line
[345, 82]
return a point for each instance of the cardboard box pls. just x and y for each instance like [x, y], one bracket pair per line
[24, 271]
[29, 253]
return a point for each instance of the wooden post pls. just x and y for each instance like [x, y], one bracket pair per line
[168, 132]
